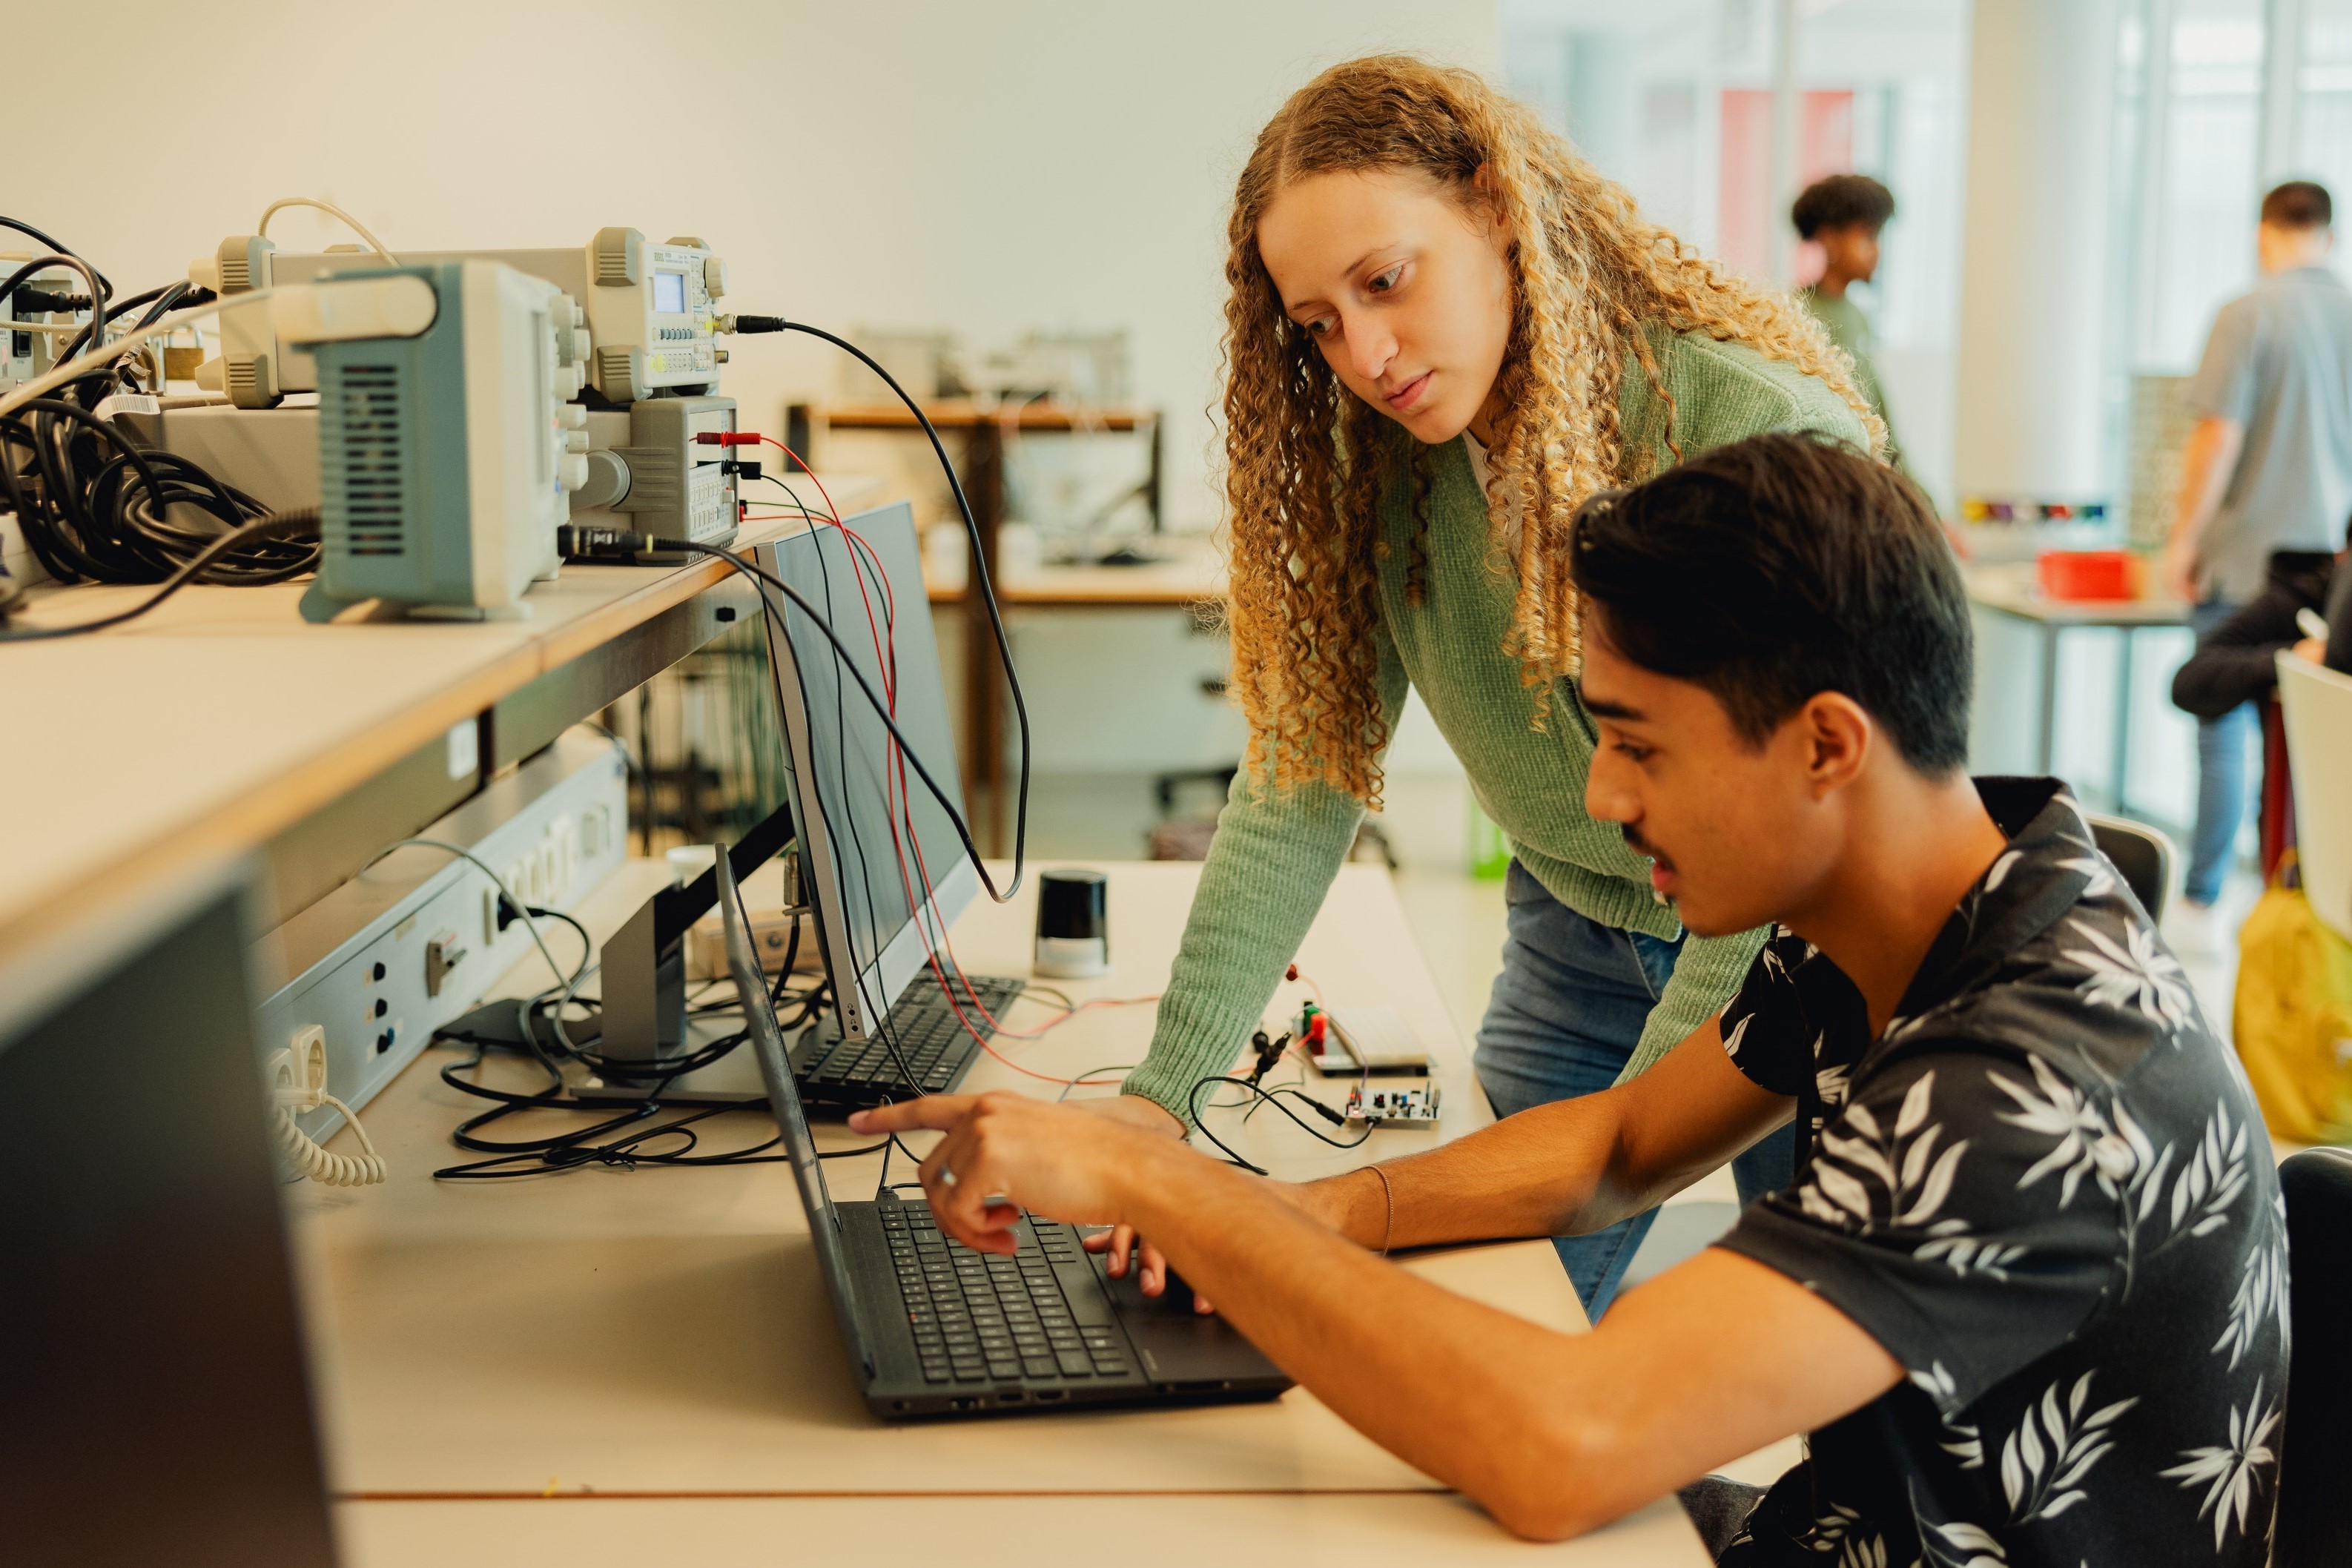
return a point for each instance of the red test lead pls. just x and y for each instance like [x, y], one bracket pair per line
[727, 438]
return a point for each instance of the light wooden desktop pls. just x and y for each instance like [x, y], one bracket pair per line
[593, 1366]
[222, 718]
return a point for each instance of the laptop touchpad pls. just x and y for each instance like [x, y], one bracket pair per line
[1177, 1343]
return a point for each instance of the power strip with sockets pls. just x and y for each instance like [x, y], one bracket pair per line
[416, 941]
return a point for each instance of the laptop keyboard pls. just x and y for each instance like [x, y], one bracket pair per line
[980, 1318]
[931, 1039]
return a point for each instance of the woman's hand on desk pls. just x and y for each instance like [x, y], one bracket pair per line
[1126, 1248]
[1336, 1201]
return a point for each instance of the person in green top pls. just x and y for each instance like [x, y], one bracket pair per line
[1445, 332]
[1844, 214]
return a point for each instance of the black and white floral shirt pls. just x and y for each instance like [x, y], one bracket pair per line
[2046, 1191]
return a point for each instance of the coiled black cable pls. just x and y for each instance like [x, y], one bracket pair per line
[95, 506]
[588, 1146]
[300, 524]
[1269, 1097]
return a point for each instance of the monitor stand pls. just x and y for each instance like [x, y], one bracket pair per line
[644, 1017]
[732, 1080]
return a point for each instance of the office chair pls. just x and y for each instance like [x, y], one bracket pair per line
[2318, 707]
[2313, 1526]
[2141, 853]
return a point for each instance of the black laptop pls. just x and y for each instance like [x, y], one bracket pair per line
[934, 1328]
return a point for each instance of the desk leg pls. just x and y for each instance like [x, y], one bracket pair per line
[2048, 753]
[2123, 720]
[983, 680]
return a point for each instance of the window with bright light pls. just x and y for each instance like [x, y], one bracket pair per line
[2208, 190]
[1675, 100]
[2322, 88]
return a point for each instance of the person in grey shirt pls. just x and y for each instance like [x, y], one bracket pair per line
[2268, 467]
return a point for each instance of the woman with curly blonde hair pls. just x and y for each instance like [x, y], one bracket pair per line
[1445, 332]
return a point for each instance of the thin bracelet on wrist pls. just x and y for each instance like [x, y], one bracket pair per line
[1388, 1209]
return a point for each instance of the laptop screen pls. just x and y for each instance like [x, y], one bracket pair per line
[783, 1100]
[880, 858]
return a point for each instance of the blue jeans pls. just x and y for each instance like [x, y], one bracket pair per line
[1565, 1015]
[2226, 748]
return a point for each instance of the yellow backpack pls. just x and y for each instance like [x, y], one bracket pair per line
[2294, 1014]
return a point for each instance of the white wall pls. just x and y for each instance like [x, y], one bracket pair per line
[988, 167]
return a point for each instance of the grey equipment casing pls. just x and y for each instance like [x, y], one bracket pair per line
[270, 453]
[672, 486]
[650, 324]
[445, 443]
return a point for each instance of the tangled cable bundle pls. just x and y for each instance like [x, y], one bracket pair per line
[94, 505]
[96, 508]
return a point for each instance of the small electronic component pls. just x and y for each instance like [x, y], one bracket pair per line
[1073, 924]
[1361, 1039]
[1269, 1053]
[1387, 1107]
[649, 463]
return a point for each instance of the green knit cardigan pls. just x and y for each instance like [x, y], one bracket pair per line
[1275, 853]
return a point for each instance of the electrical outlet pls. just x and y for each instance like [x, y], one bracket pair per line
[297, 1074]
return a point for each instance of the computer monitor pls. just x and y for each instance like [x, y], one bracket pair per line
[883, 894]
[155, 1402]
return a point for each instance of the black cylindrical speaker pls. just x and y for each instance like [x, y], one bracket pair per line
[1072, 924]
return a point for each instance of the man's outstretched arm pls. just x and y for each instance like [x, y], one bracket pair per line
[1554, 1434]
[1566, 1168]
[1562, 1169]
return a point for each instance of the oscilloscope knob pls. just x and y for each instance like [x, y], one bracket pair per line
[608, 480]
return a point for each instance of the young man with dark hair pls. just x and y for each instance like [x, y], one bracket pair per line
[2026, 1293]
[1844, 214]
[2267, 467]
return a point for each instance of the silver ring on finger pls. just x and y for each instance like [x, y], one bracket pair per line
[947, 1178]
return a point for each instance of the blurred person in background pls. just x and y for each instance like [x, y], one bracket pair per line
[2235, 662]
[1844, 214]
[2268, 467]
